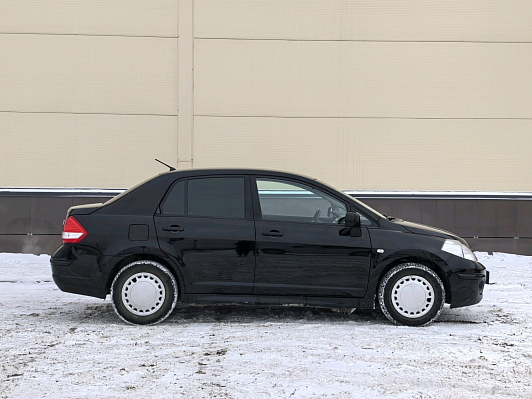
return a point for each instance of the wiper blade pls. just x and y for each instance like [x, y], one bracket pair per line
[390, 218]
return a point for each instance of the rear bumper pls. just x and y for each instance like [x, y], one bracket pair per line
[77, 285]
[78, 275]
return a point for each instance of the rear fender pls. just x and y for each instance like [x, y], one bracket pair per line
[133, 254]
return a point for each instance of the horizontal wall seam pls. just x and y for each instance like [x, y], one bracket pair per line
[83, 113]
[423, 195]
[88, 34]
[353, 117]
[494, 237]
[472, 197]
[363, 40]
[470, 237]
[33, 234]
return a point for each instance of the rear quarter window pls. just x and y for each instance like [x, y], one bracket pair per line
[175, 201]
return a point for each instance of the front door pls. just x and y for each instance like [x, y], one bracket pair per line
[205, 226]
[302, 246]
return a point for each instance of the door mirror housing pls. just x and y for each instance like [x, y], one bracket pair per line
[352, 220]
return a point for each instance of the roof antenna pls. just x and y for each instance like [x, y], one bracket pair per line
[171, 168]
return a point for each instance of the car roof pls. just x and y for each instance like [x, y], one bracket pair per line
[236, 171]
[144, 198]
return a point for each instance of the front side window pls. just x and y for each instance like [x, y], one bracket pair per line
[290, 201]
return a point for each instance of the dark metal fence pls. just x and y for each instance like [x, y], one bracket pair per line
[31, 220]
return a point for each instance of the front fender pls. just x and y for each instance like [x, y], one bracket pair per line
[391, 248]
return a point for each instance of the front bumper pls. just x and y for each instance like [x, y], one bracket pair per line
[467, 285]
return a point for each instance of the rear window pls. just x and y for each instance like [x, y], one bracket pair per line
[219, 197]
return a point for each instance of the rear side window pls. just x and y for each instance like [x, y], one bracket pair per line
[217, 197]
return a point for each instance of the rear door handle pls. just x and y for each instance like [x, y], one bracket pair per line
[272, 233]
[173, 229]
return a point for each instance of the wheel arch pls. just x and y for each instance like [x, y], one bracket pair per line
[431, 261]
[136, 257]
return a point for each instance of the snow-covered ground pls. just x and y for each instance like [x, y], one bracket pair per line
[55, 345]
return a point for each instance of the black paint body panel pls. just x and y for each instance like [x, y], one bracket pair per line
[230, 260]
[310, 259]
[216, 255]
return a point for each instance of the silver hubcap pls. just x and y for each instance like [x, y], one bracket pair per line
[412, 296]
[143, 294]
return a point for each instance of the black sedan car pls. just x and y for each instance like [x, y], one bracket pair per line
[259, 237]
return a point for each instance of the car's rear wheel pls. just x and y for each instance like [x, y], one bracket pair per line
[144, 292]
[411, 294]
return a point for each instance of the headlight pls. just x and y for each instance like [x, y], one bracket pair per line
[457, 248]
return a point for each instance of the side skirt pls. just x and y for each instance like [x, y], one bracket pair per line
[359, 303]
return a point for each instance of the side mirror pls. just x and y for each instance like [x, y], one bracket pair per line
[352, 221]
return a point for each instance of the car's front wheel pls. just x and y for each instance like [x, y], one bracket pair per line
[411, 294]
[144, 292]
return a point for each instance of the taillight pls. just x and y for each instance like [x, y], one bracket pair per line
[73, 231]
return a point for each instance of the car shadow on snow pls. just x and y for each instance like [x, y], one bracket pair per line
[287, 314]
[103, 313]
[261, 314]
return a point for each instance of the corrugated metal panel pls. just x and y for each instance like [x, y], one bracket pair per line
[397, 20]
[497, 218]
[47, 214]
[375, 154]
[508, 245]
[354, 79]
[66, 150]
[15, 216]
[124, 75]
[94, 17]
[524, 219]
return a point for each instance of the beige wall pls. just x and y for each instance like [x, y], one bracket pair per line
[281, 78]
[377, 95]
[84, 150]
[361, 153]
[88, 92]
[385, 20]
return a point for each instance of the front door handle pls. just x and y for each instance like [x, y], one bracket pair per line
[272, 233]
[173, 229]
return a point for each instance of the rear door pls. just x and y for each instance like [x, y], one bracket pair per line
[205, 224]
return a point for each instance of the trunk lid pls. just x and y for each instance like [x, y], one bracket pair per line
[83, 209]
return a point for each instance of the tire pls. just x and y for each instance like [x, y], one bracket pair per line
[411, 294]
[144, 292]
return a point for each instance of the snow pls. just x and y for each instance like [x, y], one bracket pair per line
[59, 345]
